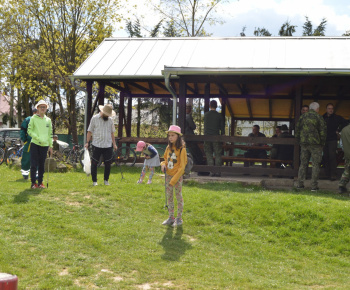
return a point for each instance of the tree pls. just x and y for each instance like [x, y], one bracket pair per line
[189, 16]
[63, 35]
[287, 29]
[319, 31]
[261, 32]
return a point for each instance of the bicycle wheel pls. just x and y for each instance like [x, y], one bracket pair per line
[72, 157]
[125, 156]
[10, 155]
[2, 155]
[65, 153]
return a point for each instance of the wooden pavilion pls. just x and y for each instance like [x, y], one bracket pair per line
[264, 78]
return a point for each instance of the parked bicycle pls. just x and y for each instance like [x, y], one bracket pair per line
[71, 155]
[14, 152]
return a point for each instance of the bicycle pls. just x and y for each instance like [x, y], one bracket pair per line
[15, 151]
[72, 155]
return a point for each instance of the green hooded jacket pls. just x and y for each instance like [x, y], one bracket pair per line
[40, 129]
[311, 129]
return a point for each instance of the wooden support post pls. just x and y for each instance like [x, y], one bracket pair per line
[101, 94]
[88, 105]
[298, 102]
[206, 97]
[128, 120]
[121, 115]
[182, 105]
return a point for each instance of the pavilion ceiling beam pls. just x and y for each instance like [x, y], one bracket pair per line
[222, 89]
[196, 88]
[249, 106]
[161, 85]
[224, 92]
[151, 88]
[191, 89]
[267, 93]
[115, 86]
[136, 85]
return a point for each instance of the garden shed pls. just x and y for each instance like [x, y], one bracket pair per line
[260, 78]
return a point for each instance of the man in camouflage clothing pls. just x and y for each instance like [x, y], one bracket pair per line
[345, 138]
[311, 133]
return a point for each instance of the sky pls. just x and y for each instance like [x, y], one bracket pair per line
[270, 14]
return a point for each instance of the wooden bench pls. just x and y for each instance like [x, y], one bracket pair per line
[230, 159]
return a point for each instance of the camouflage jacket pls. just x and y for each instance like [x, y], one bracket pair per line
[311, 129]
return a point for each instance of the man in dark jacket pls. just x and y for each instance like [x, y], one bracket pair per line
[334, 125]
[213, 125]
[345, 137]
[311, 134]
[256, 153]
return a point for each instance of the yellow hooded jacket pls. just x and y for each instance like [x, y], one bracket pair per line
[175, 162]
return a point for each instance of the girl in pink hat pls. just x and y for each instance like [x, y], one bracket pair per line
[151, 160]
[175, 160]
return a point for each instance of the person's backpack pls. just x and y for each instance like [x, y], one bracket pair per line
[189, 163]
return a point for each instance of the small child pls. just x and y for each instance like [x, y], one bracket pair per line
[175, 159]
[151, 160]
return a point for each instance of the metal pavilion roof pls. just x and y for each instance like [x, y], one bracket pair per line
[256, 76]
[135, 58]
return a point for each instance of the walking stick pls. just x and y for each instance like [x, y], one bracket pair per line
[48, 171]
[166, 200]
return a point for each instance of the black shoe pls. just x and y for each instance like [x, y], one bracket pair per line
[314, 189]
[300, 187]
[342, 190]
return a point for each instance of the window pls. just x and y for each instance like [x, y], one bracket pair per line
[13, 134]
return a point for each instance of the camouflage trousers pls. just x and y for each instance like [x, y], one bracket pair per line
[346, 174]
[315, 152]
[209, 148]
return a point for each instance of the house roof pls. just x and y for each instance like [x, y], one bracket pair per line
[257, 75]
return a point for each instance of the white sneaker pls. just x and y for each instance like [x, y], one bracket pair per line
[178, 222]
[168, 222]
[94, 184]
[106, 182]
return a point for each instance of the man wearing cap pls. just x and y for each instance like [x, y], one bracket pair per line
[101, 131]
[25, 161]
[40, 129]
[311, 132]
[213, 125]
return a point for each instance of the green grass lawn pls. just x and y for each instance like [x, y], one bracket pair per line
[75, 236]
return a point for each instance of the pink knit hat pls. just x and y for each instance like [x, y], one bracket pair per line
[175, 129]
[140, 146]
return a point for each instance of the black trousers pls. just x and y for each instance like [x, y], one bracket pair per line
[37, 161]
[330, 158]
[107, 154]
